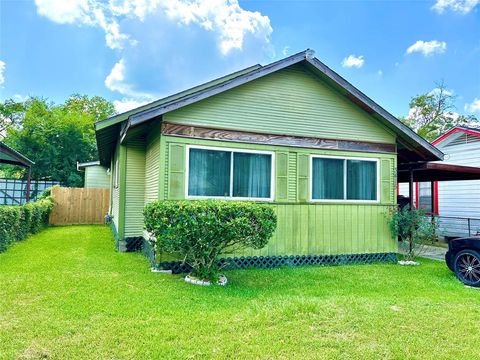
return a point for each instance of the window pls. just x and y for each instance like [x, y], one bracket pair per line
[229, 173]
[424, 194]
[344, 179]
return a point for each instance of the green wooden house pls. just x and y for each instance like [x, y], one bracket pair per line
[293, 134]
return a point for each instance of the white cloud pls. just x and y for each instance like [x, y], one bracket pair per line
[20, 98]
[85, 12]
[436, 91]
[115, 81]
[226, 18]
[140, 8]
[2, 72]
[428, 47]
[452, 115]
[353, 61]
[65, 12]
[460, 6]
[286, 50]
[163, 44]
[113, 36]
[126, 104]
[473, 107]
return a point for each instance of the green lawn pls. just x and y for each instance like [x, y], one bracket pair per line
[66, 294]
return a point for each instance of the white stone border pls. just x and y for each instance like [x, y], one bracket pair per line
[222, 281]
[408, 263]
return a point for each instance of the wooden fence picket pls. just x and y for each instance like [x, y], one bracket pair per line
[79, 205]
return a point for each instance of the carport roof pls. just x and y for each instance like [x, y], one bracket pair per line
[13, 157]
[436, 171]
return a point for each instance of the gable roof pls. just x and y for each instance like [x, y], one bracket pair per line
[447, 137]
[13, 157]
[412, 146]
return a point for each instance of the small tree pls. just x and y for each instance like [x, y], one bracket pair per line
[433, 114]
[414, 228]
[201, 231]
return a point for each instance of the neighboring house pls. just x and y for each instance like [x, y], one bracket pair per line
[457, 203]
[96, 175]
[293, 134]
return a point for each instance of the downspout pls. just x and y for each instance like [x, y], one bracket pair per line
[410, 192]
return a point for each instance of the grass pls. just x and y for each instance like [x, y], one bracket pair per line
[66, 294]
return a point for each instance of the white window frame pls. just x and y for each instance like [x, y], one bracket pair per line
[232, 151]
[345, 200]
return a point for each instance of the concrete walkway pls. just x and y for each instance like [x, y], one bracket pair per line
[431, 252]
[434, 252]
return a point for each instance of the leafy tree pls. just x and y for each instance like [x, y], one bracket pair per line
[11, 114]
[55, 137]
[433, 114]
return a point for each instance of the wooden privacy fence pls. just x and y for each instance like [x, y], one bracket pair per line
[79, 205]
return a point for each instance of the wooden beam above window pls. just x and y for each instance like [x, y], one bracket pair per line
[271, 139]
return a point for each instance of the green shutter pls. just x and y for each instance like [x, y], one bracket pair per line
[386, 181]
[282, 176]
[176, 171]
[303, 170]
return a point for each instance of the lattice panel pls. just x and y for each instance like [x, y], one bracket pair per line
[265, 262]
[148, 252]
[134, 243]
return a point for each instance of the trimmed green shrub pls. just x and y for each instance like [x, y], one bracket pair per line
[16, 222]
[200, 231]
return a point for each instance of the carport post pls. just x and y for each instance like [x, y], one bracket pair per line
[410, 188]
[432, 205]
[432, 197]
[410, 193]
[27, 195]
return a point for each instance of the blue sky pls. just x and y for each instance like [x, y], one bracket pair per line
[132, 52]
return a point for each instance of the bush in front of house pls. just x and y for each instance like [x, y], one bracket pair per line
[200, 231]
[16, 222]
[414, 228]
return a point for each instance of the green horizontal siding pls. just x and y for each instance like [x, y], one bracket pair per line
[303, 227]
[135, 188]
[115, 193]
[152, 164]
[97, 177]
[327, 230]
[292, 167]
[292, 101]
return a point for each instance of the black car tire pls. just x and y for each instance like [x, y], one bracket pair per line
[449, 260]
[467, 267]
